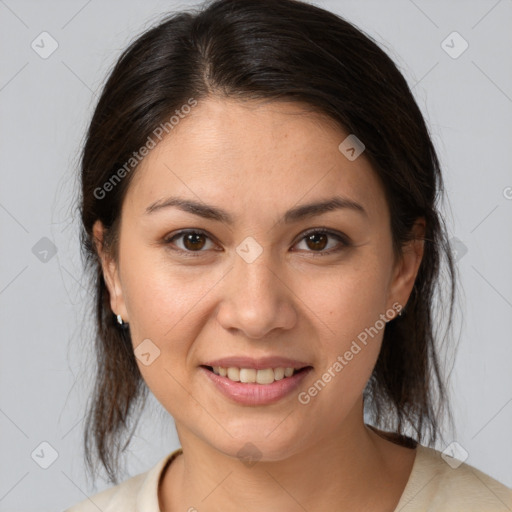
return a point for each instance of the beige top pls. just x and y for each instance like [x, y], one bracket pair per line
[433, 486]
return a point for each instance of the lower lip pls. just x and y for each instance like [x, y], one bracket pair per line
[256, 394]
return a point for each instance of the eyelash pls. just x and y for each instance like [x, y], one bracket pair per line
[343, 239]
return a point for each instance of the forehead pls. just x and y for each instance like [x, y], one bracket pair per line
[254, 154]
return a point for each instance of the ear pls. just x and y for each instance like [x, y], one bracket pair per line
[110, 272]
[406, 268]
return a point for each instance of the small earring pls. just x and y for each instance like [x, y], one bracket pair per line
[122, 325]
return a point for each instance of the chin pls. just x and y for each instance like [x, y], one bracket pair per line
[265, 444]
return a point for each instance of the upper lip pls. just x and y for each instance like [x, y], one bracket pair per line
[258, 364]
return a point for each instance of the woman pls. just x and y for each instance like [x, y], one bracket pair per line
[259, 207]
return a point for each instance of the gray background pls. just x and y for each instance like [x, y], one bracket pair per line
[45, 106]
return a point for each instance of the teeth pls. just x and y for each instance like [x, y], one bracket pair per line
[247, 375]
[279, 373]
[233, 374]
[251, 375]
[265, 376]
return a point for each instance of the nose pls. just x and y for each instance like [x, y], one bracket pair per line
[256, 298]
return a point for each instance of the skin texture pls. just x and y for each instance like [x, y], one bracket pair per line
[257, 160]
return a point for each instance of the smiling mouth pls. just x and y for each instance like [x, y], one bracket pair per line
[251, 375]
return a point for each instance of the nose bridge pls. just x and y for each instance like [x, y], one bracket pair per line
[256, 277]
[256, 300]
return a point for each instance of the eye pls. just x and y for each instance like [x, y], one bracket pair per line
[193, 241]
[318, 239]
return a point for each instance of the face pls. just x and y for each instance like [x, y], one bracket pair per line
[251, 287]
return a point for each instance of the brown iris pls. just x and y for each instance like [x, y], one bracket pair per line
[317, 245]
[193, 241]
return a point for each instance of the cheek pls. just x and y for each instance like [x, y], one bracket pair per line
[161, 297]
[167, 305]
[347, 299]
[350, 329]
[350, 346]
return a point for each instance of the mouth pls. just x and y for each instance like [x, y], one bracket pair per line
[263, 376]
[255, 386]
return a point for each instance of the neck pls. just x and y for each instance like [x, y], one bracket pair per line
[353, 467]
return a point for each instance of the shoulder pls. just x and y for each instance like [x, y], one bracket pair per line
[123, 494]
[444, 484]
[139, 492]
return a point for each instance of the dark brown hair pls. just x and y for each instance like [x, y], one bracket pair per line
[273, 50]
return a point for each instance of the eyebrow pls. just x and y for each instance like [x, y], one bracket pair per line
[293, 215]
